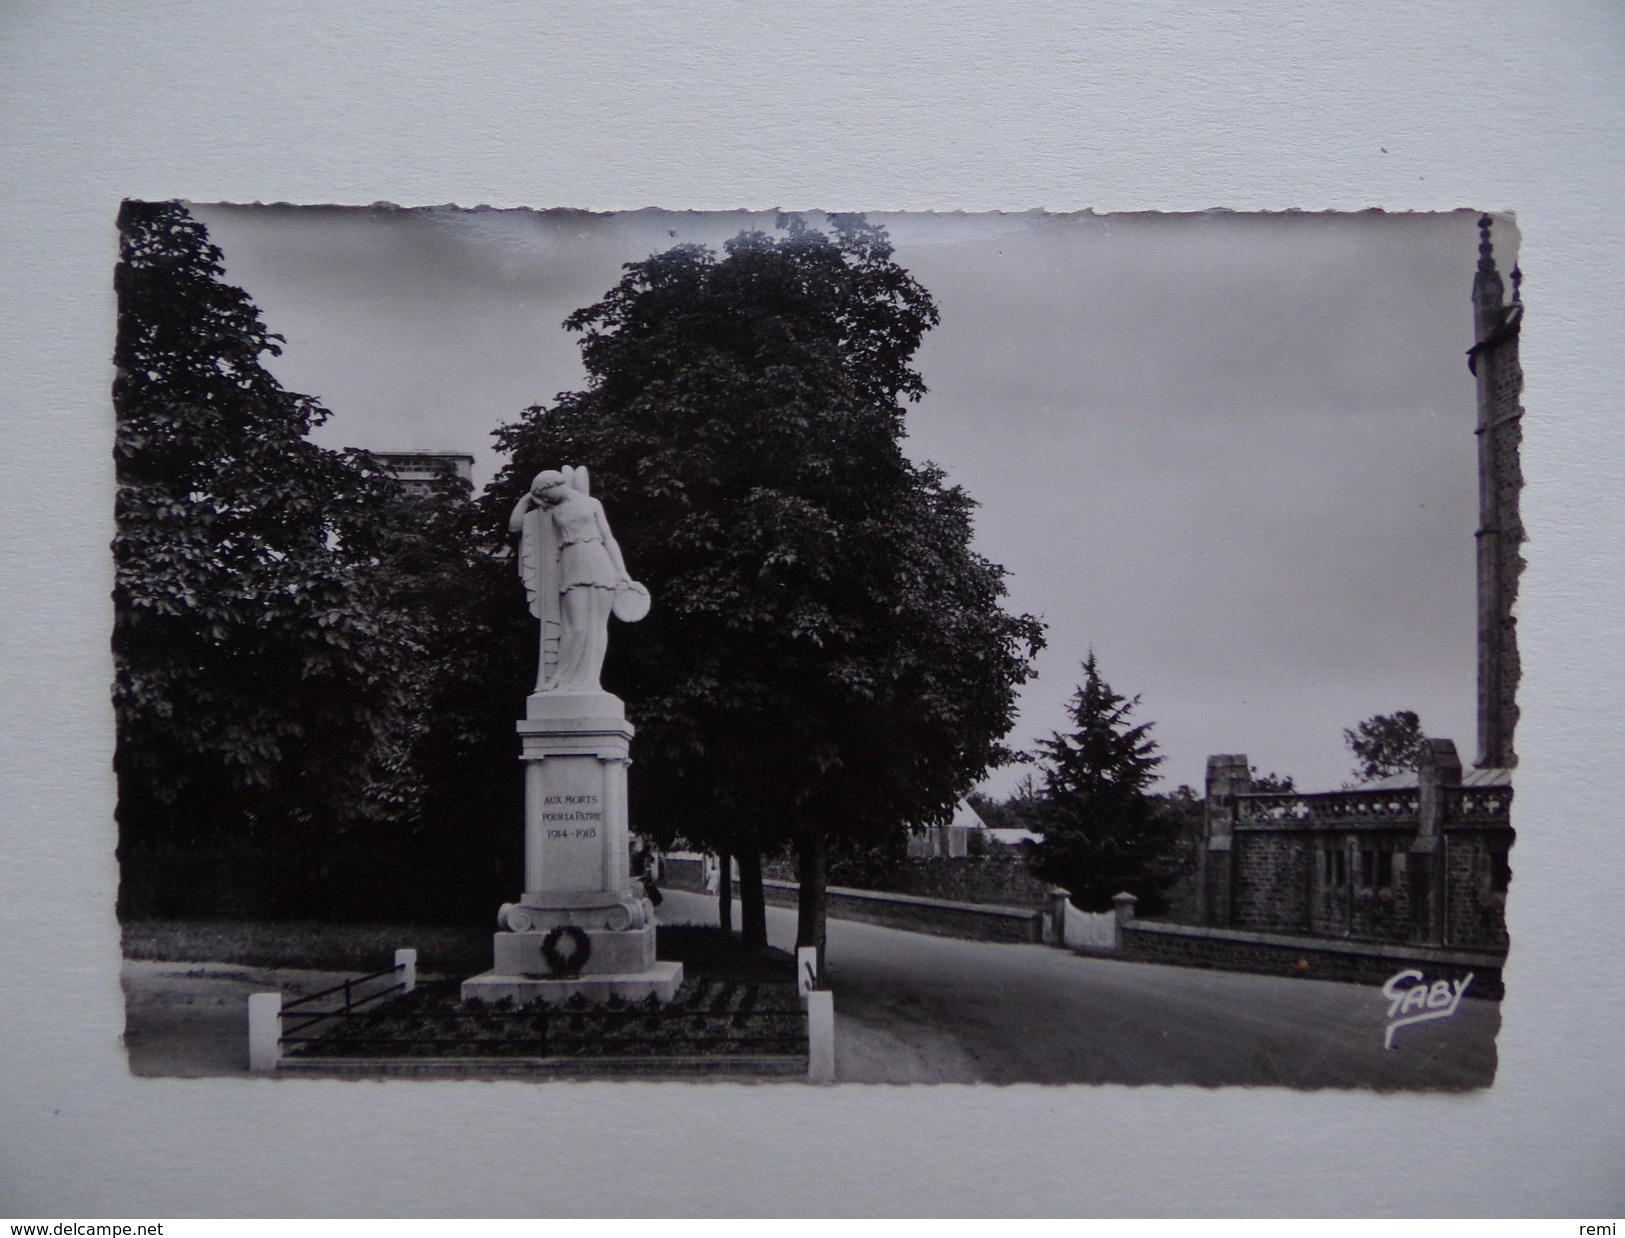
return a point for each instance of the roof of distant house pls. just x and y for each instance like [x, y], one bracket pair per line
[1469, 778]
[1013, 837]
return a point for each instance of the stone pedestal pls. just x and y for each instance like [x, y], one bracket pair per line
[581, 925]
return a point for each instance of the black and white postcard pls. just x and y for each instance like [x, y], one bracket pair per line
[1073, 535]
[867, 648]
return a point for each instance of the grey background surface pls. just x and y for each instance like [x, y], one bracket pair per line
[1166, 104]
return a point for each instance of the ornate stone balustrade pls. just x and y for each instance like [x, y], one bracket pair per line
[1462, 805]
[1329, 808]
[1478, 805]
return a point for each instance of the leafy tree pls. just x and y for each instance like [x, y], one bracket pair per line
[1268, 784]
[1184, 811]
[260, 668]
[1385, 744]
[1103, 831]
[1184, 803]
[455, 770]
[1017, 811]
[827, 658]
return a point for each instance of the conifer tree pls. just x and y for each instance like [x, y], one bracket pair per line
[1102, 831]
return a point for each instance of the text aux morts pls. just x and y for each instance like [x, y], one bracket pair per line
[563, 808]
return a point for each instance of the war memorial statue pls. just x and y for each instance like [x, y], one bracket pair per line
[573, 571]
[582, 925]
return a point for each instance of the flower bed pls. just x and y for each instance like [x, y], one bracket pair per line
[706, 1018]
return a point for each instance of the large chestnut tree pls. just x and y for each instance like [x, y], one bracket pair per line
[828, 660]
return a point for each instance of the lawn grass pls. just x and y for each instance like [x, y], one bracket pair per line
[307, 944]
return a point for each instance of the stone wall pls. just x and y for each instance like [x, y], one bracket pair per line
[1475, 910]
[683, 872]
[938, 917]
[1285, 883]
[1272, 880]
[1004, 881]
[1373, 905]
[1310, 958]
[1417, 861]
[996, 880]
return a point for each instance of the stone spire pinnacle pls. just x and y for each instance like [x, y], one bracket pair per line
[1489, 293]
[1493, 360]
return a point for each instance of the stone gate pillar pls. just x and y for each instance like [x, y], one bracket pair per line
[1228, 775]
[1438, 769]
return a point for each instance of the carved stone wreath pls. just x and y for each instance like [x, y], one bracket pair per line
[560, 963]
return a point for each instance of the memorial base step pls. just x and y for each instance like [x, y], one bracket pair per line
[660, 981]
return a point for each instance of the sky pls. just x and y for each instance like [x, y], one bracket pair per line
[1231, 454]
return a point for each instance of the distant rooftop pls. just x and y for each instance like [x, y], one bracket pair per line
[1012, 837]
[1469, 778]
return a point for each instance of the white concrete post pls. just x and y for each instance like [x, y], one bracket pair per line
[1059, 901]
[806, 971]
[820, 1036]
[1123, 905]
[407, 961]
[264, 1030]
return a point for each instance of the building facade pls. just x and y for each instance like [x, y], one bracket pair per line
[417, 471]
[1419, 859]
[1422, 858]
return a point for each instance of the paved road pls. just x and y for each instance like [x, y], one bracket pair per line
[191, 1019]
[915, 1008]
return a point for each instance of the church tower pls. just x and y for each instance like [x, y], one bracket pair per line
[1493, 360]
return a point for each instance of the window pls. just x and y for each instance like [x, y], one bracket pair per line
[1376, 869]
[1334, 873]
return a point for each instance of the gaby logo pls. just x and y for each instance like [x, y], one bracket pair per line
[1409, 991]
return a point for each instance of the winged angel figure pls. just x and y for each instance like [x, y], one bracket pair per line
[575, 577]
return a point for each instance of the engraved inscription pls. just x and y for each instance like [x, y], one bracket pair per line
[572, 825]
[571, 808]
